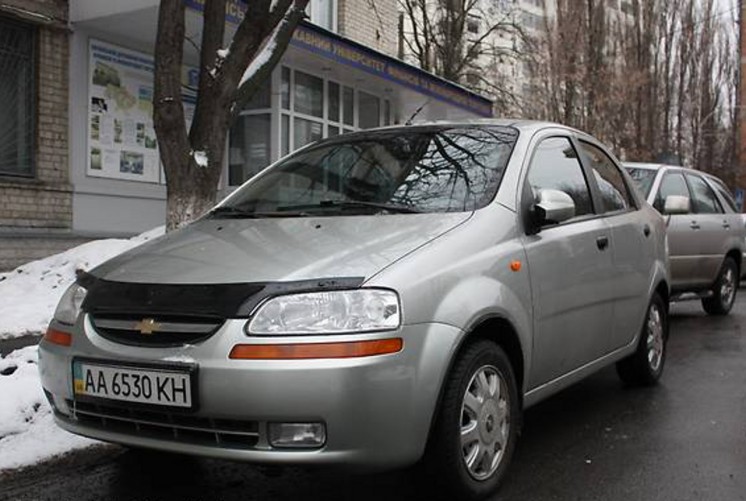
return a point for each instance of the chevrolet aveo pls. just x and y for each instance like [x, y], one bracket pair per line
[375, 300]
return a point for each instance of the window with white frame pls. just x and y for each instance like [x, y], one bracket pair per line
[314, 108]
[311, 108]
[323, 13]
[249, 147]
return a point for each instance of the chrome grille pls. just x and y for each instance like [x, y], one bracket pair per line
[159, 331]
[228, 433]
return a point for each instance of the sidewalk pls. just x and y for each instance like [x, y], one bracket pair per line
[9, 345]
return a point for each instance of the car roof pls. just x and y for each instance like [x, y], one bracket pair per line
[520, 124]
[650, 166]
[657, 167]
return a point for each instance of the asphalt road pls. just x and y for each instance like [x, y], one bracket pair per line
[682, 440]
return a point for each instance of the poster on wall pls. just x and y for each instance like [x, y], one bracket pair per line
[121, 136]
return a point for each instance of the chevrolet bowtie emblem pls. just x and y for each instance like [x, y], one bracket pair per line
[147, 326]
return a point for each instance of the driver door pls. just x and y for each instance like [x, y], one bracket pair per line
[570, 266]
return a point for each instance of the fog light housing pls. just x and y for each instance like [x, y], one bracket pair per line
[297, 435]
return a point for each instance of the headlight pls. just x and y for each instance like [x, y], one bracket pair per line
[68, 308]
[333, 312]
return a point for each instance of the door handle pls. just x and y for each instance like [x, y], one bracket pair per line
[694, 225]
[602, 243]
[646, 230]
[726, 225]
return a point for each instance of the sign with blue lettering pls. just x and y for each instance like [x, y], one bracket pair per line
[234, 9]
[350, 53]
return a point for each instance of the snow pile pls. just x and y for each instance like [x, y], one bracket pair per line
[200, 157]
[27, 430]
[30, 292]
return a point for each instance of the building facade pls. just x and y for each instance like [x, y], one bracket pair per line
[35, 190]
[89, 166]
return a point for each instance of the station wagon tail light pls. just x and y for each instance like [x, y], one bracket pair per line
[329, 312]
[305, 351]
[68, 308]
[58, 337]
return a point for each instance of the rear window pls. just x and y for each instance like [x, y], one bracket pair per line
[643, 179]
[724, 193]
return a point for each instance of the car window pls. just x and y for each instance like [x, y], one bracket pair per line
[614, 192]
[555, 166]
[705, 201]
[643, 178]
[421, 169]
[724, 193]
[673, 183]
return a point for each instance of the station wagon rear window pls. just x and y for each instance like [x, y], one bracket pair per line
[643, 179]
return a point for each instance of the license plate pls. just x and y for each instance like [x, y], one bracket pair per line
[133, 384]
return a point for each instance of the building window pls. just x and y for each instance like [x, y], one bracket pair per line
[370, 110]
[249, 149]
[310, 108]
[472, 25]
[309, 94]
[323, 13]
[17, 90]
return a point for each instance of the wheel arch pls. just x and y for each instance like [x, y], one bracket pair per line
[664, 291]
[737, 256]
[503, 333]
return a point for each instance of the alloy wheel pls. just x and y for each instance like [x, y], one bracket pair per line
[728, 287]
[655, 341]
[485, 422]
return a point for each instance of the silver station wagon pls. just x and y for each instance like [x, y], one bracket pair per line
[705, 232]
[374, 300]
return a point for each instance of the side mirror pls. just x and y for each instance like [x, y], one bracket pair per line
[676, 204]
[553, 207]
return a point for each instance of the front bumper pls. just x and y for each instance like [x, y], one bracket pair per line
[377, 410]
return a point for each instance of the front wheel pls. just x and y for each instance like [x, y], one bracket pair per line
[645, 366]
[475, 432]
[724, 292]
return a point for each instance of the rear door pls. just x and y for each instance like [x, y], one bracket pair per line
[683, 231]
[632, 250]
[714, 231]
[569, 267]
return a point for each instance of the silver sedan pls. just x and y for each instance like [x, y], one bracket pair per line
[373, 300]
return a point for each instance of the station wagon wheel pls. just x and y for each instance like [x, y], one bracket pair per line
[475, 431]
[645, 366]
[724, 291]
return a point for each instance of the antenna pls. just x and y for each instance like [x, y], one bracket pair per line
[417, 112]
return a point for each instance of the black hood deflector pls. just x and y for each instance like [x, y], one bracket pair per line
[233, 300]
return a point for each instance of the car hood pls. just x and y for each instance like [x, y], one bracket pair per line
[277, 249]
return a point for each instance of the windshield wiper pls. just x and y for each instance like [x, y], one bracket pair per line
[235, 212]
[354, 204]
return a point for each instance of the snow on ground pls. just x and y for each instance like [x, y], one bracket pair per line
[29, 294]
[27, 431]
[28, 297]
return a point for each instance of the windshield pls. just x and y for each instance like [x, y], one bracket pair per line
[403, 170]
[643, 179]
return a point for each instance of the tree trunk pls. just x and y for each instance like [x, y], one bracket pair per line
[193, 161]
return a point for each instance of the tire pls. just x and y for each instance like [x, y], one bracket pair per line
[724, 291]
[480, 395]
[645, 366]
